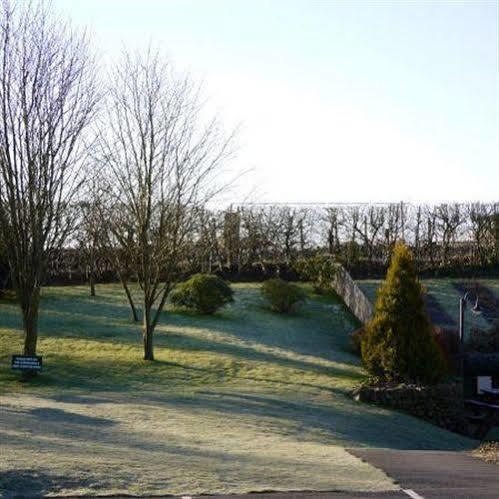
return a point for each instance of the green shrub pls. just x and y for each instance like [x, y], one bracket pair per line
[203, 293]
[320, 269]
[398, 344]
[282, 296]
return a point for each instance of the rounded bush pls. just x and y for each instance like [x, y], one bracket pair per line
[203, 293]
[282, 296]
[321, 270]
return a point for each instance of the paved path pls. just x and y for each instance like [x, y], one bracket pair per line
[432, 474]
[311, 495]
[420, 474]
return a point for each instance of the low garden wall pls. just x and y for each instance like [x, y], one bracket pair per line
[353, 296]
[442, 405]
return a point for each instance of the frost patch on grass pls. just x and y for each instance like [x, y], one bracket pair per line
[166, 445]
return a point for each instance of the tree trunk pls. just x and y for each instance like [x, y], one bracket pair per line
[91, 279]
[30, 300]
[147, 333]
[135, 316]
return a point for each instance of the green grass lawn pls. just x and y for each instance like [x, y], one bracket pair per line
[89, 343]
[241, 401]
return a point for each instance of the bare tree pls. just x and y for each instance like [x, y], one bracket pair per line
[289, 232]
[232, 236]
[90, 233]
[329, 218]
[449, 218]
[163, 156]
[119, 244]
[481, 228]
[254, 240]
[48, 96]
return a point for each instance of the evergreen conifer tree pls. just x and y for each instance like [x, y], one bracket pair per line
[398, 344]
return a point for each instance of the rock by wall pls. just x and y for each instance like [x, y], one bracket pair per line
[353, 296]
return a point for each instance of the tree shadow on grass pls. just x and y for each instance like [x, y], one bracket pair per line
[251, 353]
[77, 398]
[337, 418]
[340, 422]
[57, 320]
[118, 375]
[438, 315]
[37, 483]
[61, 416]
[334, 420]
[319, 328]
[113, 371]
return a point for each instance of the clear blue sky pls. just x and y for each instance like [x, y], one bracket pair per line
[339, 100]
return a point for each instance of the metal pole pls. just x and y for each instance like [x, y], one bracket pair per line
[462, 304]
[461, 322]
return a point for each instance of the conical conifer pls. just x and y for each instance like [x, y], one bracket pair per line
[398, 344]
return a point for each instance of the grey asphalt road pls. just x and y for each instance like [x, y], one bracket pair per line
[420, 474]
[312, 495]
[436, 474]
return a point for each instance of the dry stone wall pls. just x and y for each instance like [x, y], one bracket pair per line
[353, 296]
[442, 405]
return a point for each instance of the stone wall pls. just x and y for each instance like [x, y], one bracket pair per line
[353, 296]
[442, 404]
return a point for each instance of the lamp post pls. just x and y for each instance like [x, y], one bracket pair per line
[475, 310]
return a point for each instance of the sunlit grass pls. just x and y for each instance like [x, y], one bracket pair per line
[90, 343]
[240, 401]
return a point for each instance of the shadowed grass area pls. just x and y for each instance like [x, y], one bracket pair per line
[90, 343]
[240, 401]
[442, 300]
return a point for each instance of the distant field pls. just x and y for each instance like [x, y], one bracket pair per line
[244, 400]
[442, 300]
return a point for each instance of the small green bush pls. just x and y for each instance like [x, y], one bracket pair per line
[282, 296]
[203, 293]
[321, 270]
[398, 344]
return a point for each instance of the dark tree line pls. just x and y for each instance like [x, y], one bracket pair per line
[258, 241]
[443, 236]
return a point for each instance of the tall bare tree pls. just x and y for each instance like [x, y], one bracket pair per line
[449, 218]
[163, 156]
[90, 230]
[48, 96]
[481, 228]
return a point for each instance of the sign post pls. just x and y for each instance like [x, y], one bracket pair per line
[27, 363]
